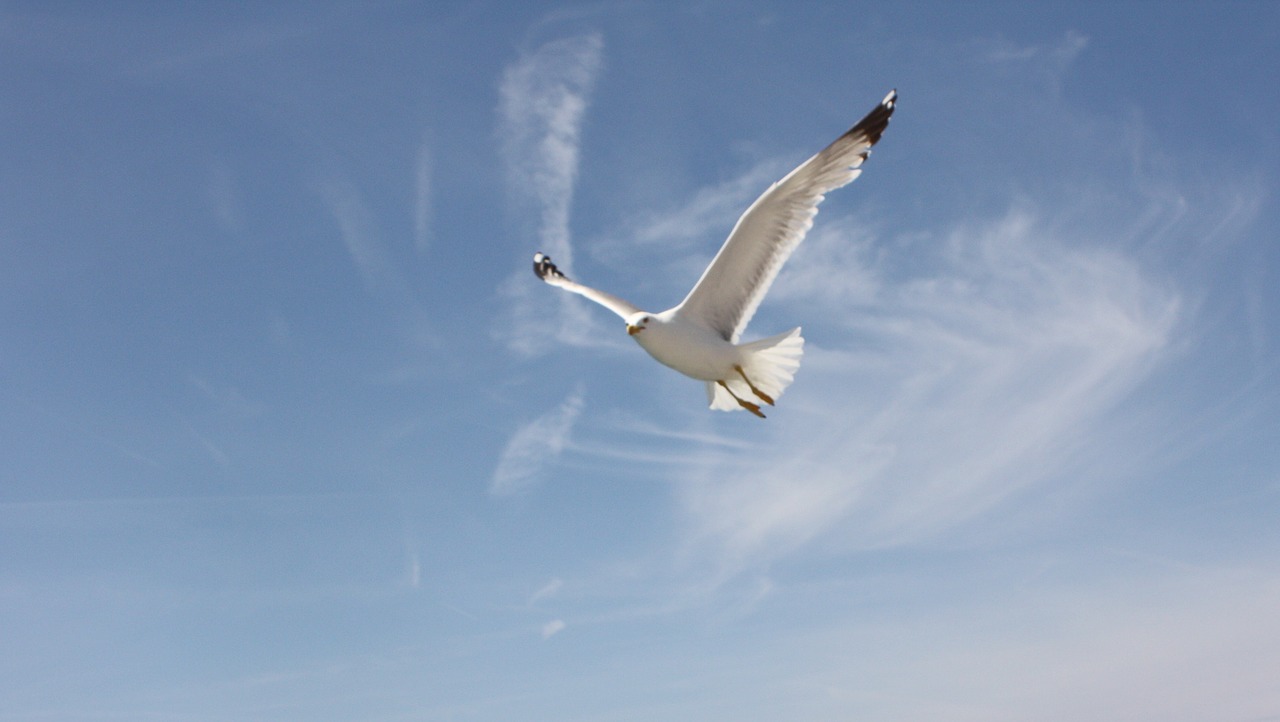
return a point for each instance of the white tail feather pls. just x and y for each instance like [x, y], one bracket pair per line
[771, 365]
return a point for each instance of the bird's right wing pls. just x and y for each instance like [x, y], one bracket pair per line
[547, 271]
[731, 288]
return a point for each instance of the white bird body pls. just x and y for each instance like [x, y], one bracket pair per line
[693, 350]
[699, 337]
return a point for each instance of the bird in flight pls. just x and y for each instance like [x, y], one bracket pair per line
[699, 337]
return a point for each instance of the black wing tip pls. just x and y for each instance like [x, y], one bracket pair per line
[873, 125]
[543, 267]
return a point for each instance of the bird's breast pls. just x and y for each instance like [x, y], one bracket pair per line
[691, 350]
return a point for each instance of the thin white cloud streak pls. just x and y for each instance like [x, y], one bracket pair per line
[225, 199]
[548, 590]
[544, 97]
[379, 272]
[411, 576]
[227, 399]
[711, 211]
[219, 456]
[360, 237]
[413, 570]
[422, 199]
[1056, 56]
[552, 628]
[632, 427]
[535, 446]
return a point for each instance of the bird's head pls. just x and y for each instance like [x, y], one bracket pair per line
[638, 322]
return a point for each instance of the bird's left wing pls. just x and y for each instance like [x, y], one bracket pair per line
[547, 271]
[732, 287]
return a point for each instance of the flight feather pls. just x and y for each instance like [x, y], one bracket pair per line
[547, 271]
[731, 288]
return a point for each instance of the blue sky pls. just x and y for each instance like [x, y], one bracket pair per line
[289, 430]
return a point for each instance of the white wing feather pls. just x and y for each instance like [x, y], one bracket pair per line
[547, 271]
[730, 290]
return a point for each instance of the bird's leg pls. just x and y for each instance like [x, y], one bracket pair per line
[763, 396]
[753, 408]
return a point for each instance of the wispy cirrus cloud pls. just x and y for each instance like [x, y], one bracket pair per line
[546, 591]
[961, 388]
[374, 260]
[360, 236]
[1057, 55]
[534, 446]
[544, 98]
[552, 628]
[711, 211]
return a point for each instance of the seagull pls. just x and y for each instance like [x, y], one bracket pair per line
[699, 337]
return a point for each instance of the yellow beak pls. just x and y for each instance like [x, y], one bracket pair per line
[633, 330]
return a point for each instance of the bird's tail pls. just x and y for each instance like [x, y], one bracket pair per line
[769, 363]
